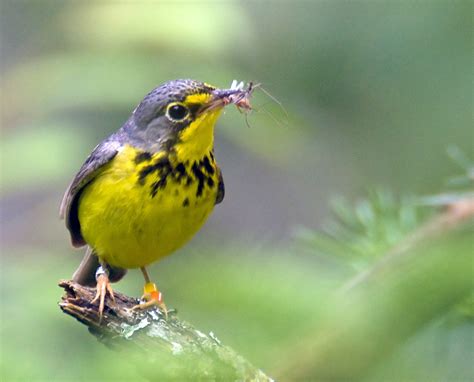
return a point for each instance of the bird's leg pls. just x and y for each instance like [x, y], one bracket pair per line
[151, 295]
[103, 286]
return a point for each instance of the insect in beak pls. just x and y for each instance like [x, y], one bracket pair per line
[236, 95]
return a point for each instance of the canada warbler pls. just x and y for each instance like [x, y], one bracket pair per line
[146, 190]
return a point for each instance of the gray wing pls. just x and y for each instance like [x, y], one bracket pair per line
[220, 188]
[101, 155]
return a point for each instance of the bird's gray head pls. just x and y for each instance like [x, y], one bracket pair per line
[179, 111]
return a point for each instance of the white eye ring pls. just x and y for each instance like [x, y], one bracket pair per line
[177, 112]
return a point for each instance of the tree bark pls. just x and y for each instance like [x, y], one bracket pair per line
[173, 349]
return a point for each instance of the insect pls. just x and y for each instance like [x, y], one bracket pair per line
[241, 99]
[237, 96]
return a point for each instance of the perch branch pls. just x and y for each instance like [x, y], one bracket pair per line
[172, 348]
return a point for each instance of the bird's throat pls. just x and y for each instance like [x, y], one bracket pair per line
[197, 140]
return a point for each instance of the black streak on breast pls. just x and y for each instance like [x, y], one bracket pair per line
[201, 172]
[142, 157]
[162, 167]
[207, 165]
[200, 177]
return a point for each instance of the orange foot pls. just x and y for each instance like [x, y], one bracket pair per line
[152, 297]
[103, 286]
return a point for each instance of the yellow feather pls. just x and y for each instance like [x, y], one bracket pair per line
[130, 228]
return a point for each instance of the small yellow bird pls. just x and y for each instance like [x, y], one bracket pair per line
[147, 189]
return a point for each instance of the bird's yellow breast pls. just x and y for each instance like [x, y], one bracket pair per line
[143, 206]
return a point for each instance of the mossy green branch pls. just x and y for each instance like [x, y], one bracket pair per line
[414, 283]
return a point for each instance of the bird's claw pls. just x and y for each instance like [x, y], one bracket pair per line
[103, 287]
[153, 298]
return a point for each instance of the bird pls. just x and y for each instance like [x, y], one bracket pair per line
[144, 191]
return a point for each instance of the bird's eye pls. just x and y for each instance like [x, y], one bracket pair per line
[177, 112]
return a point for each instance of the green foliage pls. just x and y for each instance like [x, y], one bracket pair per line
[458, 187]
[466, 164]
[417, 277]
[363, 233]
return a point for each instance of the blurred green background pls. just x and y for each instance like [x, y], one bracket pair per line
[375, 92]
